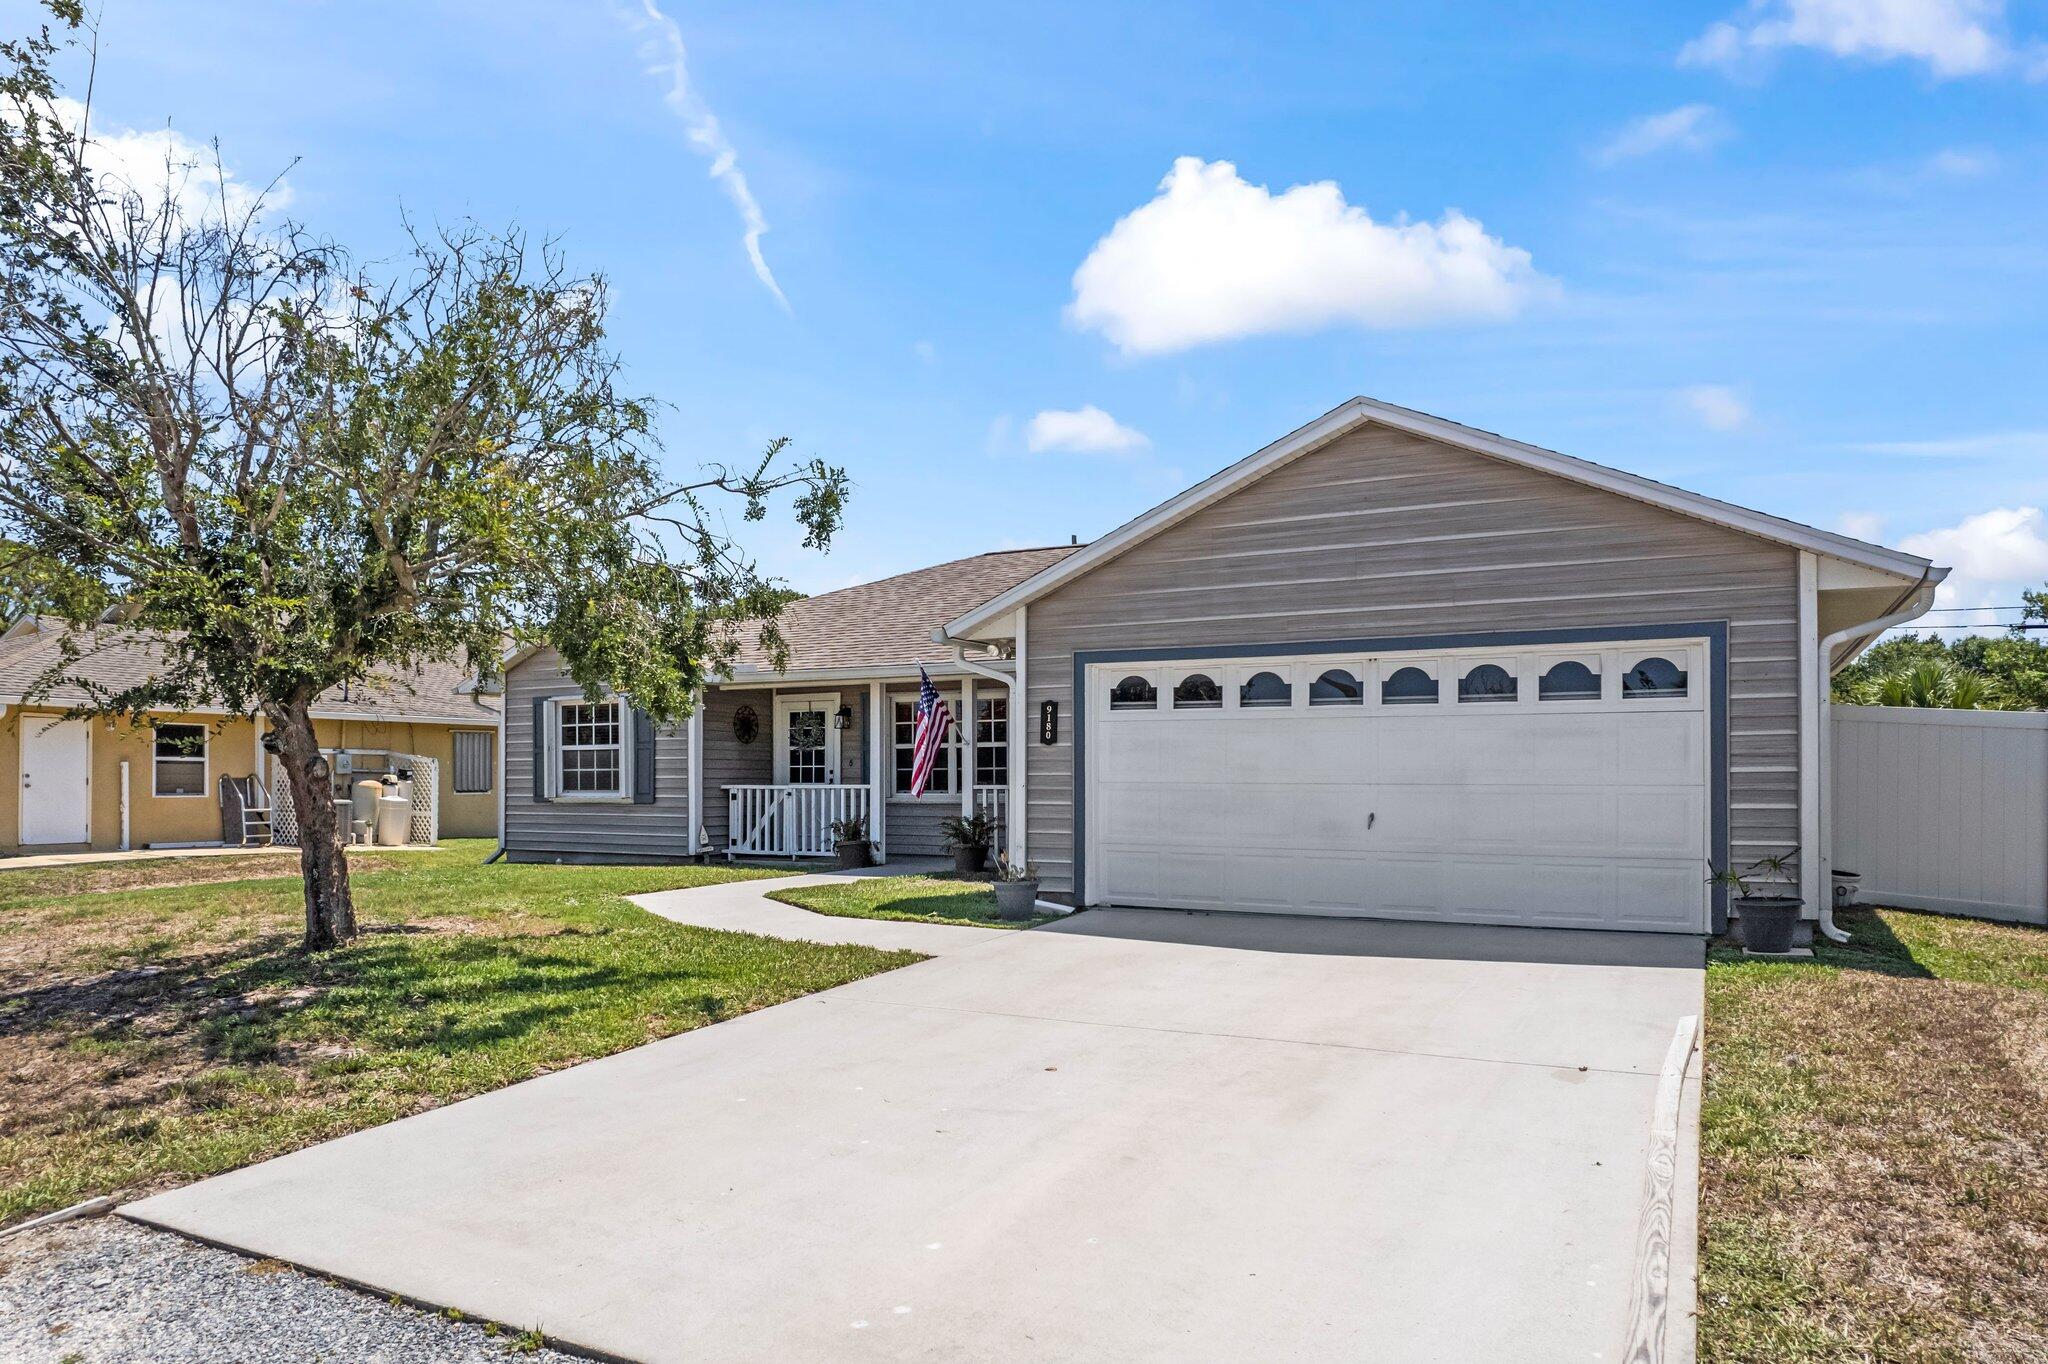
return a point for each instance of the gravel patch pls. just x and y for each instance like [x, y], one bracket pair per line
[106, 1291]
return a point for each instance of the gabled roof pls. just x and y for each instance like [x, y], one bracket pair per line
[119, 656]
[889, 623]
[1361, 411]
[882, 628]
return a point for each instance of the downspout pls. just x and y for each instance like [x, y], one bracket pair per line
[1825, 682]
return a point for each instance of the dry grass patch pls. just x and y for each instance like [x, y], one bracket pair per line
[154, 1034]
[1874, 1174]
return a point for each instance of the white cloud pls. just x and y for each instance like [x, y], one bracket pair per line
[1962, 163]
[925, 351]
[1715, 406]
[1861, 525]
[1985, 445]
[670, 59]
[1994, 555]
[1212, 258]
[1084, 431]
[1953, 37]
[1689, 127]
[150, 163]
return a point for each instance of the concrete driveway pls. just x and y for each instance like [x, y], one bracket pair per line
[1131, 1135]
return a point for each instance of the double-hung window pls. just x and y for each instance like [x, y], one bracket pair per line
[590, 749]
[905, 735]
[991, 741]
[180, 760]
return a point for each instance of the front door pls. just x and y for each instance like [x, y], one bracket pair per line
[805, 751]
[56, 797]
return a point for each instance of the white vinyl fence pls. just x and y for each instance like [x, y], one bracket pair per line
[1944, 809]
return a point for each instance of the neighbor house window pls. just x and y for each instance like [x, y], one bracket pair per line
[472, 761]
[941, 779]
[991, 741]
[180, 760]
[590, 749]
[1264, 689]
[1133, 693]
[1569, 681]
[1653, 677]
[1197, 691]
[1409, 686]
[1337, 687]
[1487, 682]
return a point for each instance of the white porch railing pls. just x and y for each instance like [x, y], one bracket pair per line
[994, 801]
[792, 820]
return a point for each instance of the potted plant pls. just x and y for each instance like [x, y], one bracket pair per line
[1768, 915]
[1016, 889]
[969, 839]
[850, 842]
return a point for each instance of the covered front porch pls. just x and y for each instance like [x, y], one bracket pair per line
[777, 764]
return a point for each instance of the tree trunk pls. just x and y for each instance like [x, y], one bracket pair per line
[330, 911]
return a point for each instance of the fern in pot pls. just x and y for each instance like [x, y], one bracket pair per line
[850, 843]
[969, 838]
[1016, 889]
[1766, 910]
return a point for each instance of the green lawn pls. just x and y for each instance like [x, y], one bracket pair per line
[1874, 1148]
[157, 1023]
[916, 899]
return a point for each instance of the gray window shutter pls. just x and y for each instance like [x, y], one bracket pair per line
[643, 757]
[540, 748]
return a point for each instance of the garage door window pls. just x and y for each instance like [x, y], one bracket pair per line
[1337, 687]
[1653, 677]
[1569, 681]
[1134, 693]
[1198, 691]
[1264, 689]
[1487, 682]
[1408, 687]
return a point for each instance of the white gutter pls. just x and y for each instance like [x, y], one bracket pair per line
[1919, 596]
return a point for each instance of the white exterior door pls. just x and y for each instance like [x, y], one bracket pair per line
[1556, 786]
[806, 745]
[56, 790]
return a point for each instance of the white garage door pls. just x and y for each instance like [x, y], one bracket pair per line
[1561, 786]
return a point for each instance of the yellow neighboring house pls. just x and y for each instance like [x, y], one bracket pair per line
[101, 785]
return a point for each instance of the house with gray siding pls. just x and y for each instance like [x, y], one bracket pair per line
[1388, 665]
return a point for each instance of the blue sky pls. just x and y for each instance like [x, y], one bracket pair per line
[1790, 253]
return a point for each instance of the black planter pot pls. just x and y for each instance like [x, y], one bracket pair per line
[854, 852]
[970, 860]
[1769, 922]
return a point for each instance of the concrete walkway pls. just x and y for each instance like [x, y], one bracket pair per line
[35, 860]
[744, 907]
[1126, 1135]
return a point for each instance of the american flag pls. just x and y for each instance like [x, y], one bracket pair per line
[934, 719]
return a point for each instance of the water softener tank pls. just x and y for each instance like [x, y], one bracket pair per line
[363, 801]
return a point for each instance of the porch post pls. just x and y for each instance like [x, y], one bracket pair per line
[1020, 749]
[966, 736]
[696, 769]
[881, 768]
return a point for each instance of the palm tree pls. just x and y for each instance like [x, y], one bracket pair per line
[1931, 683]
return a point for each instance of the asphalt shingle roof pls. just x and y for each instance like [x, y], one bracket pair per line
[117, 656]
[889, 623]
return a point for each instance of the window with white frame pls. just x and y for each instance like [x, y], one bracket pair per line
[180, 760]
[905, 735]
[590, 748]
[991, 741]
